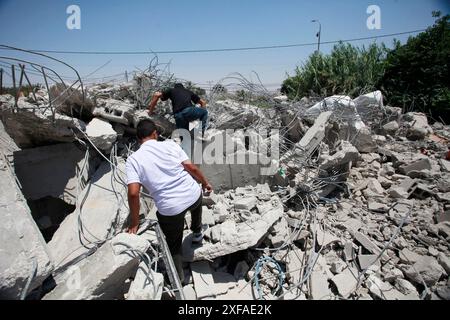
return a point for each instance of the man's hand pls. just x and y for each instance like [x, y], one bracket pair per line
[207, 188]
[133, 228]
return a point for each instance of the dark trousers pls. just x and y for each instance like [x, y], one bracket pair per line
[173, 226]
[190, 114]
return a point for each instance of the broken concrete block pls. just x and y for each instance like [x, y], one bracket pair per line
[102, 275]
[147, 284]
[245, 203]
[114, 111]
[367, 260]
[349, 252]
[203, 279]
[345, 153]
[377, 207]
[22, 243]
[294, 264]
[419, 165]
[208, 216]
[406, 287]
[409, 257]
[383, 290]
[367, 243]
[240, 236]
[95, 218]
[444, 228]
[313, 137]
[445, 165]
[391, 127]
[426, 268]
[444, 261]
[419, 128]
[51, 171]
[319, 286]
[346, 282]
[101, 134]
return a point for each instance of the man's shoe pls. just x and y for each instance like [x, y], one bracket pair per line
[197, 237]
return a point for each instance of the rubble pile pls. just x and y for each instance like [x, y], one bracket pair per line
[358, 206]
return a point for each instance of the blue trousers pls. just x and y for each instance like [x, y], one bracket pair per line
[190, 114]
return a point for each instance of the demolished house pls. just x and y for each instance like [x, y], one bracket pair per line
[355, 209]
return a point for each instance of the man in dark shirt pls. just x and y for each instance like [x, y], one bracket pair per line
[183, 106]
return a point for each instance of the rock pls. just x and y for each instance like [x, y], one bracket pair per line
[208, 216]
[247, 203]
[345, 153]
[319, 286]
[444, 228]
[383, 290]
[444, 261]
[312, 138]
[367, 243]
[445, 165]
[443, 292]
[391, 127]
[22, 243]
[409, 257]
[147, 284]
[203, 279]
[377, 207]
[101, 275]
[115, 111]
[345, 282]
[419, 165]
[367, 260]
[236, 237]
[101, 134]
[393, 275]
[95, 220]
[426, 268]
[294, 264]
[406, 287]
[279, 232]
[419, 127]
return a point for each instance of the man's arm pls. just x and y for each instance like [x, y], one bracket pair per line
[195, 172]
[134, 204]
[154, 101]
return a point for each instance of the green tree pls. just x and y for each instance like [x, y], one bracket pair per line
[346, 70]
[417, 74]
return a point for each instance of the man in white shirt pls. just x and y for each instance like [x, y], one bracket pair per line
[166, 172]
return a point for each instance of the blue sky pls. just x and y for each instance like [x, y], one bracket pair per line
[200, 24]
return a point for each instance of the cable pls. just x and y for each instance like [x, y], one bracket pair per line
[225, 49]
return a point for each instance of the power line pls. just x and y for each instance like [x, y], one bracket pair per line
[224, 49]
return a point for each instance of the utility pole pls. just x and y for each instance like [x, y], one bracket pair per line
[318, 34]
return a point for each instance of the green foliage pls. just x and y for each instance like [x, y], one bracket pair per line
[346, 70]
[417, 74]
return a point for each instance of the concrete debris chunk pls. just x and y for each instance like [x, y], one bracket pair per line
[203, 279]
[345, 282]
[246, 203]
[93, 221]
[426, 269]
[102, 275]
[101, 134]
[147, 284]
[23, 253]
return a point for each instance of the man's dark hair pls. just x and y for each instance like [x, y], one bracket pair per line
[178, 85]
[145, 128]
